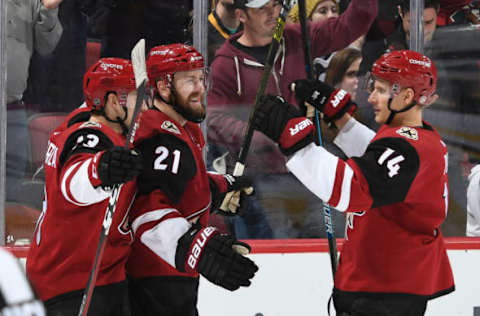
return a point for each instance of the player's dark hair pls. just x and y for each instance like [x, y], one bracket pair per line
[405, 5]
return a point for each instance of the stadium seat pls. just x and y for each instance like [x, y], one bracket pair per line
[39, 126]
[93, 53]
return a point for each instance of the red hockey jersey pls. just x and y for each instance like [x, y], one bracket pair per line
[67, 232]
[174, 191]
[396, 196]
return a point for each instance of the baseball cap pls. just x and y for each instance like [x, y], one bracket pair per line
[250, 3]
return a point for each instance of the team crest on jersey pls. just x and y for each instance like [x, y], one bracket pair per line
[408, 132]
[169, 126]
[91, 124]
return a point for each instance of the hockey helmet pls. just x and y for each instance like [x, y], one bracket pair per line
[165, 60]
[407, 69]
[108, 75]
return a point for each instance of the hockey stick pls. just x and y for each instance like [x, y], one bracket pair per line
[139, 68]
[247, 140]
[311, 111]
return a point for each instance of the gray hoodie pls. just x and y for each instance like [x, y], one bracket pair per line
[30, 26]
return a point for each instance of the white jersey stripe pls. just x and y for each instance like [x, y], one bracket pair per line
[312, 163]
[346, 188]
[353, 138]
[151, 216]
[163, 238]
[80, 187]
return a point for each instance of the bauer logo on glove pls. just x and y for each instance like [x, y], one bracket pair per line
[332, 102]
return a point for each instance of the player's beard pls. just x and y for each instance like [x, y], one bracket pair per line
[196, 112]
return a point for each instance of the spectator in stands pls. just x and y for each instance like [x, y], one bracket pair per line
[236, 70]
[222, 23]
[33, 25]
[316, 11]
[342, 72]
[55, 81]
[400, 38]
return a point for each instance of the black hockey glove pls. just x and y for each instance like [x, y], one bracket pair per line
[332, 102]
[217, 257]
[115, 165]
[221, 184]
[283, 123]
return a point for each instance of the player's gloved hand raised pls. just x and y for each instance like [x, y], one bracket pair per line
[283, 123]
[220, 258]
[116, 165]
[332, 102]
[221, 184]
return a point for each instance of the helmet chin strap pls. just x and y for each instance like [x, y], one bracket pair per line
[118, 119]
[393, 112]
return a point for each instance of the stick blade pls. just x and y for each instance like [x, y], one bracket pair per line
[138, 62]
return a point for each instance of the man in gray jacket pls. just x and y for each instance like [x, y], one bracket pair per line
[31, 25]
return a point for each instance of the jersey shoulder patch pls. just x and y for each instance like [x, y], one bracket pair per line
[170, 127]
[169, 165]
[408, 132]
[85, 139]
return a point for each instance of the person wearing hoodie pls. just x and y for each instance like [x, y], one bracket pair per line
[236, 71]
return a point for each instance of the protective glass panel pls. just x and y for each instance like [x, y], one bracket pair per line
[49, 50]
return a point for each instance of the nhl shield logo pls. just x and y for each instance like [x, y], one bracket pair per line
[408, 132]
[169, 126]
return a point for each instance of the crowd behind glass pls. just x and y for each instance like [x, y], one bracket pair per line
[50, 48]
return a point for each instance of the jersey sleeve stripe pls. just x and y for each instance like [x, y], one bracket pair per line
[151, 216]
[312, 163]
[197, 213]
[353, 138]
[346, 189]
[163, 238]
[66, 179]
[336, 193]
[78, 189]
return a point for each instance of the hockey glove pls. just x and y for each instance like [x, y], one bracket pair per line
[282, 123]
[114, 166]
[217, 257]
[220, 185]
[333, 103]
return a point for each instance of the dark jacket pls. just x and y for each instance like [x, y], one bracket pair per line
[236, 75]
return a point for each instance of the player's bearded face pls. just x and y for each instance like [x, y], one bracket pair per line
[189, 92]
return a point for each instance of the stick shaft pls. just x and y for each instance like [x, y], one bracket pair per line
[112, 205]
[327, 212]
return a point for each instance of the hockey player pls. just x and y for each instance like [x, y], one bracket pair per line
[16, 295]
[173, 243]
[394, 187]
[83, 160]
